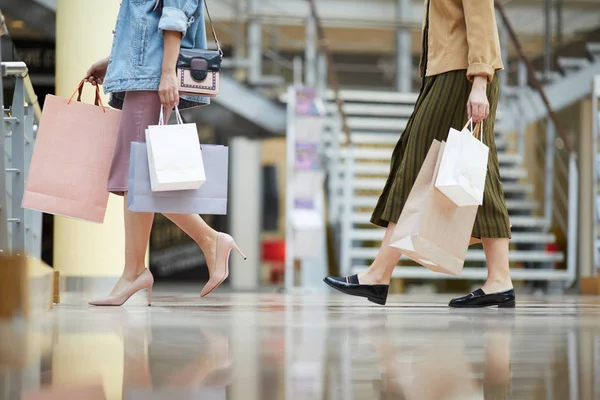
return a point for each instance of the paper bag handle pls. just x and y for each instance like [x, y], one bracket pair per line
[161, 119]
[478, 131]
[79, 90]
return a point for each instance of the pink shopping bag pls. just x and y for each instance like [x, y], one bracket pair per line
[71, 159]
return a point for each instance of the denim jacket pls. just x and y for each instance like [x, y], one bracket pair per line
[137, 49]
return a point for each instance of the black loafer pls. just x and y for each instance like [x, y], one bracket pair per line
[350, 285]
[479, 299]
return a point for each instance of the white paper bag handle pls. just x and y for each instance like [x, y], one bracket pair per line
[470, 123]
[480, 124]
[161, 120]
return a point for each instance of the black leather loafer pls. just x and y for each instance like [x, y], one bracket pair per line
[350, 285]
[479, 299]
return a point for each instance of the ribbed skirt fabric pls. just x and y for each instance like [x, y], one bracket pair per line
[442, 104]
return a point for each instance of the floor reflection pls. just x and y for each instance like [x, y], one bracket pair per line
[303, 347]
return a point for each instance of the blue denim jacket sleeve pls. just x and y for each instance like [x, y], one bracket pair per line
[176, 15]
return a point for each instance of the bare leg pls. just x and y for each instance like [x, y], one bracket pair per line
[380, 271]
[201, 232]
[496, 254]
[137, 235]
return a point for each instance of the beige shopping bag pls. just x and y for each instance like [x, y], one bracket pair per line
[71, 159]
[432, 230]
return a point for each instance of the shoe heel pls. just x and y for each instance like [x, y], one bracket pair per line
[149, 291]
[377, 300]
[510, 304]
[236, 248]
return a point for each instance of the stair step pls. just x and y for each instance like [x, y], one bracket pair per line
[391, 138]
[374, 96]
[374, 110]
[386, 154]
[475, 273]
[377, 184]
[541, 75]
[512, 205]
[475, 255]
[378, 124]
[376, 234]
[594, 49]
[572, 62]
[367, 168]
[516, 221]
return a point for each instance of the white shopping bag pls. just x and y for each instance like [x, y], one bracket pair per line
[174, 156]
[464, 166]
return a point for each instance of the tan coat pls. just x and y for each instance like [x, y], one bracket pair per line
[462, 34]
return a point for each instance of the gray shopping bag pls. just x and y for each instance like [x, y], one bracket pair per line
[209, 199]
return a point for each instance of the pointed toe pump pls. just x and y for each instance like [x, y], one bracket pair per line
[225, 244]
[144, 281]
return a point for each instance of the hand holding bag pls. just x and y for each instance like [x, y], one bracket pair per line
[174, 156]
[464, 166]
[198, 70]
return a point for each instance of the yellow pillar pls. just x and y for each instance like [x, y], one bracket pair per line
[83, 36]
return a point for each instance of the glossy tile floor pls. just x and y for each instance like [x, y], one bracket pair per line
[272, 346]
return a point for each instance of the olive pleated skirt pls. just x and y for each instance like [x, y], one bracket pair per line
[442, 104]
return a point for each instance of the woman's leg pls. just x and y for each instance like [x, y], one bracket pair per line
[496, 255]
[137, 235]
[380, 271]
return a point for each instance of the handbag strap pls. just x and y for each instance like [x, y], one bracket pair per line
[212, 27]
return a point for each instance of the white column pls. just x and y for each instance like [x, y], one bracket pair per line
[310, 53]
[245, 210]
[587, 192]
[403, 48]
[254, 41]
[83, 36]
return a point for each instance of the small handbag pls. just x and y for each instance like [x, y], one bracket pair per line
[198, 69]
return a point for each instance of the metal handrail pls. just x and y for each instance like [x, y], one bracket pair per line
[332, 74]
[19, 69]
[532, 75]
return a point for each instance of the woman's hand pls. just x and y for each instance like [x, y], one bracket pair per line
[478, 106]
[95, 75]
[168, 89]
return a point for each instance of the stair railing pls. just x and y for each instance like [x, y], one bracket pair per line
[560, 172]
[596, 169]
[20, 230]
[331, 77]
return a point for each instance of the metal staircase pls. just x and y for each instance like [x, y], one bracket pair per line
[357, 174]
[574, 66]
[20, 230]
[596, 135]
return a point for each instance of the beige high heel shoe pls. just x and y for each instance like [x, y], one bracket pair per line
[144, 281]
[225, 244]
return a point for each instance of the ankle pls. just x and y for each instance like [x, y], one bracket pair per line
[131, 273]
[497, 284]
[499, 280]
[370, 277]
[207, 240]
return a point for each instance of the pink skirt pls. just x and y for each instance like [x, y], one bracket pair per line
[140, 109]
